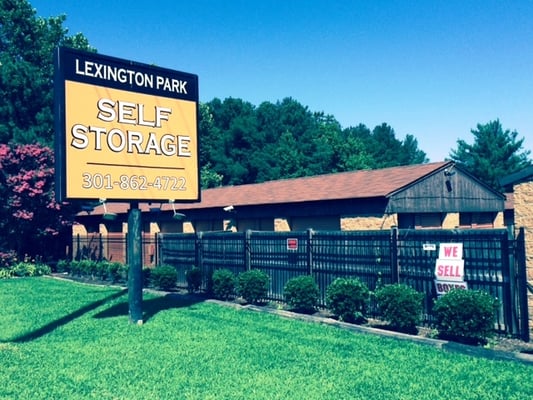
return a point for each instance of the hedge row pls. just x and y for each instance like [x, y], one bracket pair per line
[461, 315]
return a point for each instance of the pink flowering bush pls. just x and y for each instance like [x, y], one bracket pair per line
[31, 220]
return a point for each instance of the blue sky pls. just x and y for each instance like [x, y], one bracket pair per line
[432, 69]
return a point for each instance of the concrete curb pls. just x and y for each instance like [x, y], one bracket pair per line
[445, 345]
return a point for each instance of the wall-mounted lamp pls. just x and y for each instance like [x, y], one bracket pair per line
[154, 209]
[87, 207]
[449, 171]
[110, 216]
[176, 215]
[448, 185]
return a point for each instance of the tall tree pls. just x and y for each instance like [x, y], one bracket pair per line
[494, 153]
[27, 43]
[30, 218]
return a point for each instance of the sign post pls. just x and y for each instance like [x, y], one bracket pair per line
[125, 131]
[135, 264]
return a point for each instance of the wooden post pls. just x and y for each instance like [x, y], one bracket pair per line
[135, 281]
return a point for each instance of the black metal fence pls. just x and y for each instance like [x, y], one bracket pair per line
[493, 261]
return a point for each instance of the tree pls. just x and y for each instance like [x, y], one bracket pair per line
[495, 153]
[27, 45]
[31, 220]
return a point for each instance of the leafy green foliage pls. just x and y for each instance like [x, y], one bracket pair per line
[302, 294]
[224, 283]
[494, 154]
[63, 265]
[242, 143]
[253, 285]
[26, 74]
[115, 271]
[112, 271]
[164, 277]
[347, 298]
[465, 315]
[400, 305]
[194, 279]
[28, 269]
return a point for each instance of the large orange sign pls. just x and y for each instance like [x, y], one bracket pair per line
[124, 131]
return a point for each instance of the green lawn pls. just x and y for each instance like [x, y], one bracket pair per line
[63, 340]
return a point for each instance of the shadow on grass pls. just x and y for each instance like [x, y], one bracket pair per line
[50, 327]
[152, 306]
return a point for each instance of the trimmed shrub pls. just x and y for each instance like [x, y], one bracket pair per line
[42, 269]
[346, 298]
[116, 271]
[6, 273]
[224, 282]
[302, 293]
[465, 315]
[252, 285]
[194, 279]
[401, 306]
[63, 266]
[87, 268]
[147, 272]
[164, 277]
[25, 268]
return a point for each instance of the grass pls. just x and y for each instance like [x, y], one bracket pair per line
[63, 340]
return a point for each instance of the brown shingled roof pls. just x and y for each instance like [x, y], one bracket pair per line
[344, 185]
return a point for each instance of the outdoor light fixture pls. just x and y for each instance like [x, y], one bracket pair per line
[448, 185]
[88, 208]
[154, 209]
[110, 216]
[449, 171]
[176, 215]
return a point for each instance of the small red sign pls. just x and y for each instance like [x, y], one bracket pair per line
[292, 244]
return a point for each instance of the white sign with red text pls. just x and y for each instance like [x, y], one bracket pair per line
[450, 268]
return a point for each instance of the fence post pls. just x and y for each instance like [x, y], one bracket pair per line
[198, 251]
[156, 249]
[310, 251]
[522, 285]
[77, 256]
[508, 276]
[395, 268]
[247, 250]
[101, 247]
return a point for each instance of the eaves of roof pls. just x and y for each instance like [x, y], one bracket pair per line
[361, 184]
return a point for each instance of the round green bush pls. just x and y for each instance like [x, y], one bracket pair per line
[116, 271]
[194, 279]
[164, 277]
[465, 315]
[346, 298]
[400, 305]
[63, 266]
[252, 285]
[147, 273]
[24, 269]
[224, 282]
[302, 293]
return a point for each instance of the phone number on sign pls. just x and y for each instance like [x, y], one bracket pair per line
[133, 182]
